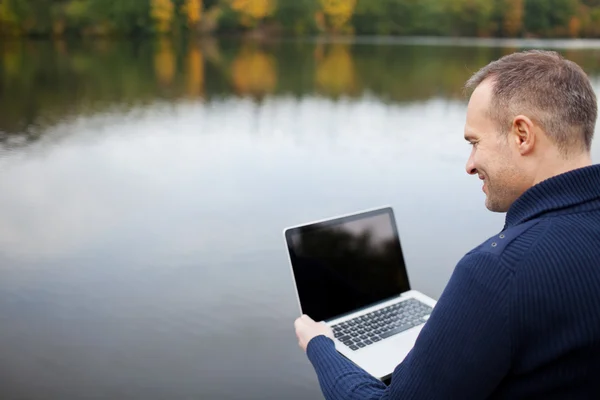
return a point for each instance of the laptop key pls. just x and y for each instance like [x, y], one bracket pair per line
[396, 330]
[353, 347]
[349, 343]
[361, 344]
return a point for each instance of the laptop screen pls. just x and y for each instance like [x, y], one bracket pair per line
[347, 263]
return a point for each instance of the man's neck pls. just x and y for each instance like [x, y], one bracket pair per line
[554, 168]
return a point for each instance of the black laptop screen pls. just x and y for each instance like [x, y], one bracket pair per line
[347, 263]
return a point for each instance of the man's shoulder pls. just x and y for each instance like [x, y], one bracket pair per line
[500, 242]
[509, 245]
[566, 236]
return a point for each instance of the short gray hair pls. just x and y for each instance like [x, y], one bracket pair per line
[554, 92]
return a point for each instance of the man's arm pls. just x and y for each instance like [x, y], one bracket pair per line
[462, 352]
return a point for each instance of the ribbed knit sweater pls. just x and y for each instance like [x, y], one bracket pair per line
[519, 318]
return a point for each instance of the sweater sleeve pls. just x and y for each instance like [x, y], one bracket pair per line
[462, 352]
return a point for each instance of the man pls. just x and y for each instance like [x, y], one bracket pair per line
[520, 316]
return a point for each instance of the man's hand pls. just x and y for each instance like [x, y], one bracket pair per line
[306, 329]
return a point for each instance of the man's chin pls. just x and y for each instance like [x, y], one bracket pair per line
[494, 206]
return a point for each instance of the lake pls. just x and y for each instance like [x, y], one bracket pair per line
[144, 188]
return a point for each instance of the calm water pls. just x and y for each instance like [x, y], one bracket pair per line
[144, 188]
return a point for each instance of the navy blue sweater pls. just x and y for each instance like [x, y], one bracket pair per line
[519, 318]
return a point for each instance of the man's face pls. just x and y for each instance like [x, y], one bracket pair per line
[492, 159]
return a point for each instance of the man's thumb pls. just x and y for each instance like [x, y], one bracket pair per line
[307, 318]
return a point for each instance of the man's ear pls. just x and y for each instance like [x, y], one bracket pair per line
[523, 134]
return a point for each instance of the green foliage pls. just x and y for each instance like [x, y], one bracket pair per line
[297, 17]
[468, 17]
[483, 18]
[542, 17]
[398, 17]
[128, 17]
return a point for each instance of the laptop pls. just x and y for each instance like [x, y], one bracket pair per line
[349, 272]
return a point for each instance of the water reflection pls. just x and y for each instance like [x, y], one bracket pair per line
[43, 83]
[254, 72]
[335, 71]
[164, 62]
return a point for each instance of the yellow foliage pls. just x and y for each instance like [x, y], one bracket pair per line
[162, 13]
[254, 72]
[574, 27]
[193, 10]
[253, 10]
[164, 62]
[195, 73]
[8, 19]
[246, 20]
[338, 12]
[335, 70]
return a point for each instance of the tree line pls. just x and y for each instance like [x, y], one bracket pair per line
[479, 18]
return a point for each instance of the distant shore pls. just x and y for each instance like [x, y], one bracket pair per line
[526, 19]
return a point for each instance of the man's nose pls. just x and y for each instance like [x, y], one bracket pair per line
[471, 170]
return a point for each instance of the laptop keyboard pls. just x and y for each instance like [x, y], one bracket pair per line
[370, 328]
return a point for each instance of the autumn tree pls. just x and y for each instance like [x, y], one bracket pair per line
[335, 15]
[252, 12]
[162, 14]
[192, 10]
[509, 18]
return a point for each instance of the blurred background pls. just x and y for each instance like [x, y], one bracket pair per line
[153, 151]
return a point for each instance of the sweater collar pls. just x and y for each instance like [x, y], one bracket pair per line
[558, 192]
